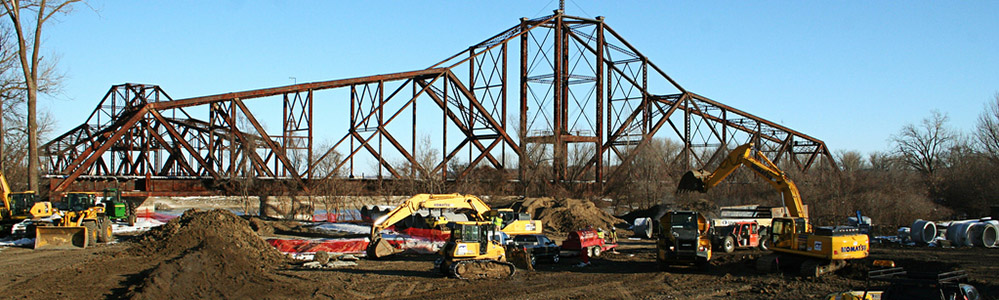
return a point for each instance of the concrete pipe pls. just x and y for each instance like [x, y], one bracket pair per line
[995, 241]
[959, 234]
[983, 234]
[923, 232]
[643, 227]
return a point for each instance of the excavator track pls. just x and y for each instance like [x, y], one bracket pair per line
[481, 269]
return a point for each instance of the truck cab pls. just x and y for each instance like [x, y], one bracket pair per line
[683, 238]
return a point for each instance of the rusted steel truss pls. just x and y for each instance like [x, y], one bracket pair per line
[587, 98]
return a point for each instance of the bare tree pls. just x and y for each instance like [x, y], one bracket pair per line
[923, 146]
[28, 47]
[850, 161]
[987, 129]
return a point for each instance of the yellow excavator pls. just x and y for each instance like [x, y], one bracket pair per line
[20, 206]
[474, 251]
[511, 223]
[795, 243]
[83, 223]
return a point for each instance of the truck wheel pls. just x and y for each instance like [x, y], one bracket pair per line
[104, 233]
[728, 244]
[91, 227]
[596, 251]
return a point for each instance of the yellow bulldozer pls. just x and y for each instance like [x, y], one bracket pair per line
[83, 223]
[474, 251]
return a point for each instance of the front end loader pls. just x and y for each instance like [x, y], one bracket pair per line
[83, 223]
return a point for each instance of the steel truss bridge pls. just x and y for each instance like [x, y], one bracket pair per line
[576, 84]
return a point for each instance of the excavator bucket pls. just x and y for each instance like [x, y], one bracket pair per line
[60, 237]
[380, 248]
[693, 181]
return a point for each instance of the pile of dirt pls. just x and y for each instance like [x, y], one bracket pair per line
[260, 226]
[209, 254]
[566, 215]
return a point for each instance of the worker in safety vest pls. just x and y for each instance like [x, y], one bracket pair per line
[498, 222]
[600, 233]
[613, 236]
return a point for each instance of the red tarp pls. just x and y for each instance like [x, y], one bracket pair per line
[154, 215]
[328, 245]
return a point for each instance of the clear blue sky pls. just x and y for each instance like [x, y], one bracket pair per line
[851, 73]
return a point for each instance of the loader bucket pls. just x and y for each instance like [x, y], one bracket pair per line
[60, 237]
[379, 248]
[692, 181]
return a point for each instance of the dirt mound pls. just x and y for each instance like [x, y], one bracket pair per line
[260, 226]
[561, 216]
[208, 254]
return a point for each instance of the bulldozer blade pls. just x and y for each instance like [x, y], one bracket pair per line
[519, 257]
[693, 181]
[60, 237]
[381, 248]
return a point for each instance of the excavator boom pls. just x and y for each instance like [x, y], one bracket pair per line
[702, 181]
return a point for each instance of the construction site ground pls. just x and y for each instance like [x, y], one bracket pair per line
[236, 269]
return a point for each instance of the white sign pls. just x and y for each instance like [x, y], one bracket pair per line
[818, 246]
[462, 249]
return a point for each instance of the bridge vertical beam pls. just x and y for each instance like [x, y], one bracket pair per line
[598, 155]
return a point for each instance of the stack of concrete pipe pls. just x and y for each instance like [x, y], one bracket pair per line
[968, 233]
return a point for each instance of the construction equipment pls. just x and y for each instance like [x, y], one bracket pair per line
[587, 241]
[83, 222]
[914, 285]
[474, 252]
[683, 238]
[20, 206]
[814, 251]
[739, 235]
[475, 208]
[117, 208]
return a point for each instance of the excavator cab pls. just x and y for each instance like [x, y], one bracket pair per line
[783, 232]
[474, 252]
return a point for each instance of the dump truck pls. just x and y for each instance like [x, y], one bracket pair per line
[684, 238]
[82, 222]
[474, 208]
[474, 251]
[795, 242]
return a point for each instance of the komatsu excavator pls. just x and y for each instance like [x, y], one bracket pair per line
[512, 223]
[795, 242]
